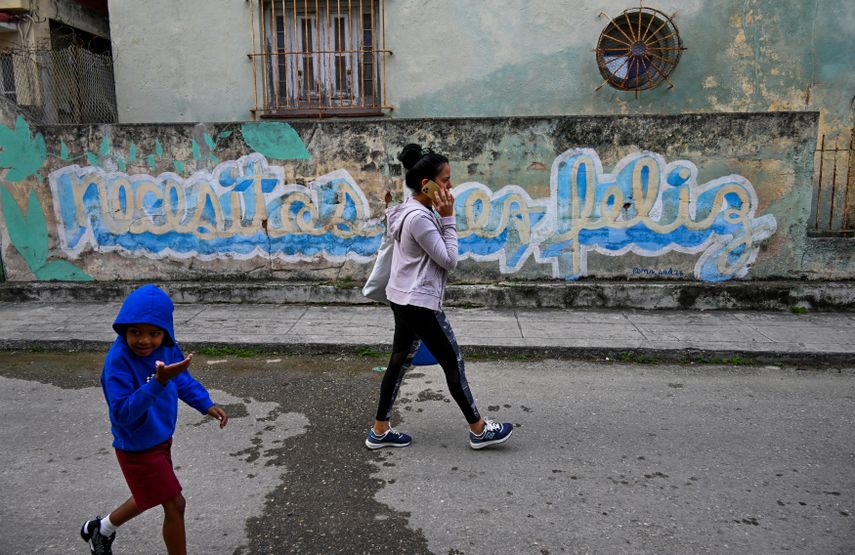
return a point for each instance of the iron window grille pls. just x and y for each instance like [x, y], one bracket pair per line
[638, 50]
[833, 207]
[318, 58]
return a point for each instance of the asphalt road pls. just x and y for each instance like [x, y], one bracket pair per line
[606, 458]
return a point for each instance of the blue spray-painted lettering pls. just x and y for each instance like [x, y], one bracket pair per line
[242, 209]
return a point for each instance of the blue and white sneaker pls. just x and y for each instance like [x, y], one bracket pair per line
[390, 439]
[494, 433]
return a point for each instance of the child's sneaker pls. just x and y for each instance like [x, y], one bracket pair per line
[494, 433]
[390, 439]
[98, 543]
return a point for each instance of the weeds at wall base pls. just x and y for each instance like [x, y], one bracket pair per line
[381, 353]
[637, 358]
[369, 352]
[240, 352]
[736, 360]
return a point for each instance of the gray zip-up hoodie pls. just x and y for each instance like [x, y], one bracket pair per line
[425, 250]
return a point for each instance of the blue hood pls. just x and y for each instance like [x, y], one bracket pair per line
[147, 305]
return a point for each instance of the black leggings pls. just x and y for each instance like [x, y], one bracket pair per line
[414, 324]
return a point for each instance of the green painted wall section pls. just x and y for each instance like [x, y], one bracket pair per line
[22, 155]
[29, 235]
[275, 140]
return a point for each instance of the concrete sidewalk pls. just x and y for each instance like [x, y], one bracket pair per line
[628, 334]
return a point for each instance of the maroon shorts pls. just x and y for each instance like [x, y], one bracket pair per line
[149, 475]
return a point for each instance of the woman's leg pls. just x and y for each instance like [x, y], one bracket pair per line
[173, 526]
[404, 346]
[435, 331]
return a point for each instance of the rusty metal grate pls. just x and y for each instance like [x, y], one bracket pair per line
[318, 58]
[59, 85]
[834, 206]
[638, 50]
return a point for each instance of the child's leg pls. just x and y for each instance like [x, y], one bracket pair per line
[173, 526]
[100, 532]
[125, 512]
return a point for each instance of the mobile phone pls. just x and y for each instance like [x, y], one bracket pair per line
[431, 189]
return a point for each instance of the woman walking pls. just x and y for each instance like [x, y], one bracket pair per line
[425, 251]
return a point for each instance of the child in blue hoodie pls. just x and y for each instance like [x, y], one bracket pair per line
[145, 373]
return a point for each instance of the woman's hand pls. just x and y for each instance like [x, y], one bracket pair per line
[444, 202]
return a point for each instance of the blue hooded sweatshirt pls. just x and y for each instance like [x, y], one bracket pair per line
[143, 412]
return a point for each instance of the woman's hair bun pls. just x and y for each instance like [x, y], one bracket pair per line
[410, 155]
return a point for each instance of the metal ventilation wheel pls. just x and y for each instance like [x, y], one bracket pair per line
[638, 50]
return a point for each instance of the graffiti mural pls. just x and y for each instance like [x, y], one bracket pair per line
[242, 209]
[497, 226]
[645, 206]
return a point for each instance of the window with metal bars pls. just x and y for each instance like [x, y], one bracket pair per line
[318, 58]
[833, 210]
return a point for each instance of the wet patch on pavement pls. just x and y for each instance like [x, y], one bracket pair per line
[289, 473]
[63, 467]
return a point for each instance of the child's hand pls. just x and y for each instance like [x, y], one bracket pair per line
[165, 372]
[217, 412]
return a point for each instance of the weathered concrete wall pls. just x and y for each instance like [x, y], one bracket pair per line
[532, 58]
[691, 197]
[186, 61]
[182, 61]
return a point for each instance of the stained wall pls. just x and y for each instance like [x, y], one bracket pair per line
[704, 197]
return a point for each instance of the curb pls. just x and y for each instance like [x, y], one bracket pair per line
[475, 352]
[637, 294]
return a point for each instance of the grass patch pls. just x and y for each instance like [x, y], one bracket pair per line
[637, 358]
[513, 357]
[736, 360]
[799, 309]
[739, 360]
[468, 305]
[369, 352]
[240, 352]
